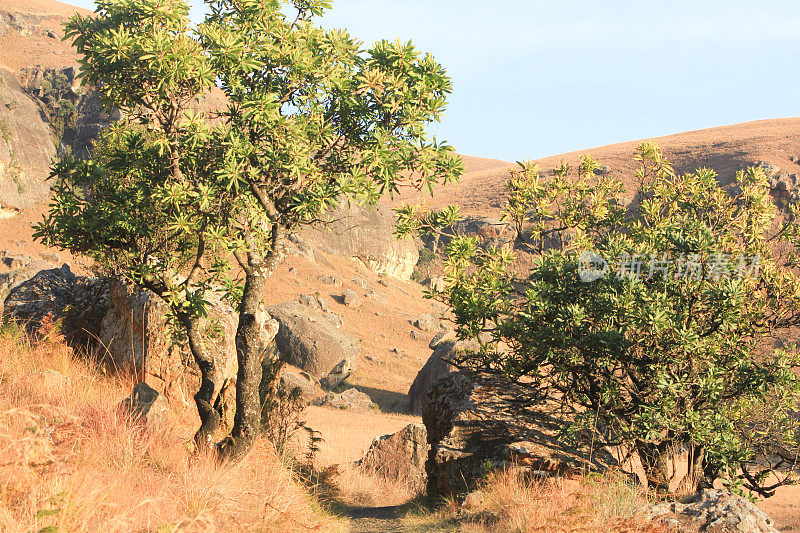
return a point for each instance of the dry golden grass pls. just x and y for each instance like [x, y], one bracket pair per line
[510, 502]
[69, 461]
[348, 435]
[355, 487]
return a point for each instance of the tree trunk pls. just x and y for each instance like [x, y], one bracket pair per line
[671, 466]
[252, 338]
[204, 397]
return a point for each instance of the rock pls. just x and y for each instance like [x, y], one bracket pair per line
[314, 302]
[399, 457]
[134, 334]
[359, 282]
[338, 374]
[425, 322]
[26, 147]
[51, 258]
[713, 510]
[768, 168]
[301, 248]
[334, 319]
[350, 298]
[437, 366]
[414, 334]
[349, 400]
[303, 381]
[444, 335]
[366, 234]
[478, 421]
[145, 403]
[308, 340]
[77, 302]
[16, 261]
[491, 231]
[330, 280]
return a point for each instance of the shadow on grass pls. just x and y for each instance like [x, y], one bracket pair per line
[388, 402]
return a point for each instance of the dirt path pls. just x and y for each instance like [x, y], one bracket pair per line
[376, 519]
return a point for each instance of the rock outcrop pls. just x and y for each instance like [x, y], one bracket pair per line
[437, 366]
[366, 234]
[349, 400]
[399, 457]
[310, 341]
[304, 382]
[26, 146]
[477, 421]
[76, 302]
[134, 333]
[339, 373]
[712, 510]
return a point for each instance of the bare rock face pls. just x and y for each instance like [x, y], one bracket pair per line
[134, 333]
[400, 456]
[26, 146]
[310, 341]
[712, 510]
[477, 421]
[366, 234]
[76, 301]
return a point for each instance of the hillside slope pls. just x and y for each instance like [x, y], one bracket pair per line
[725, 149]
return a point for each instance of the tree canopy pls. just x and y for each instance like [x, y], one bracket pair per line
[653, 322]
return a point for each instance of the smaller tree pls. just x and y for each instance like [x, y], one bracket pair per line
[189, 204]
[652, 326]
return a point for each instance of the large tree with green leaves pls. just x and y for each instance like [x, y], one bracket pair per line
[190, 203]
[652, 323]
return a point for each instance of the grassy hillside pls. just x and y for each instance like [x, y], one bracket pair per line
[69, 461]
[725, 149]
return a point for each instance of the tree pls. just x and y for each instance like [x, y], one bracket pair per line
[652, 324]
[192, 204]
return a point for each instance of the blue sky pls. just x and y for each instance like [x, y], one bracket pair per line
[538, 78]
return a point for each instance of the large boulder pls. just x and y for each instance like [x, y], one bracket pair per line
[77, 303]
[438, 365]
[477, 421]
[308, 340]
[712, 510]
[136, 338]
[400, 456]
[366, 234]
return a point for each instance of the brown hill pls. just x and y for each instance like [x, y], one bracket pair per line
[30, 34]
[725, 149]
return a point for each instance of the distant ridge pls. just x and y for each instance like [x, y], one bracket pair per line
[725, 149]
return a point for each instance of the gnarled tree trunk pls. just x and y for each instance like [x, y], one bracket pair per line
[204, 397]
[672, 466]
[255, 332]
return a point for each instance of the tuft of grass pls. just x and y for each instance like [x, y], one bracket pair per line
[510, 501]
[69, 461]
